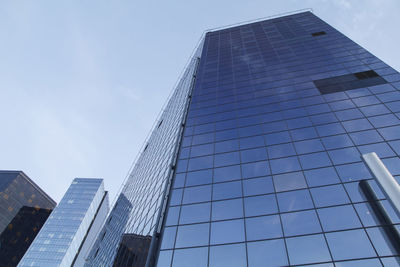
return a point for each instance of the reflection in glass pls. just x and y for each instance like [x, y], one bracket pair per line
[263, 227]
[192, 235]
[227, 209]
[196, 257]
[272, 252]
[338, 218]
[295, 200]
[351, 244]
[260, 205]
[195, 213]
[228, 256]
[299, 223]
[307, 249]
[227, 232]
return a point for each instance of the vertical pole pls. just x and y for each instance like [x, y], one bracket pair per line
[389, 185]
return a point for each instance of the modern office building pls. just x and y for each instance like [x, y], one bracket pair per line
[67, 236]
[255, 160]
[24, 208]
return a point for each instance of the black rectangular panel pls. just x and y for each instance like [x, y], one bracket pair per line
[348, 82]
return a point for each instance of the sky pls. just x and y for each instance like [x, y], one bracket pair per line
[82, 82]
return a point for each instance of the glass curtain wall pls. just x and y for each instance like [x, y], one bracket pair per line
[137, 209]
[269, 166]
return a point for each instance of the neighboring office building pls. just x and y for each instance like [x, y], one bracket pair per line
[270, 119]
[24, 208]
[68, 234]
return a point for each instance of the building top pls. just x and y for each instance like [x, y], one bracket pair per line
[268, 18]
[7, 176]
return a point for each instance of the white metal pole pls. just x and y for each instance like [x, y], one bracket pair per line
[389, 185]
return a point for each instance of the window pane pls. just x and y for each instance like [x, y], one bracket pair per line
[192, 235]
[258, 186]
[280, 151]
[228, 256]
[200, 163]
[272, 252]
[277, 138]
[198, 177]
[260, 205]
[256, 141]
[256, 154]
[195, 213]
[329, 195]
[227, 232]
[197, 194]
[227, 190]
[289, 181]
[284, 165]
[315, 160]
[227, 146]
[197, 257]
[202, 150]
[226, 159]
[350, 245]
[164, 258]
[299, 223]
[345, 155]
[263, 227]
[179, 180]
[323, 176]
[176, 197]
[227, 173]
[339, 218]
[227, 209]
[308, 146]
[172, 217]
[255, 169]
[296, 200]
[337, 141]
[168, 238]
[307, 249]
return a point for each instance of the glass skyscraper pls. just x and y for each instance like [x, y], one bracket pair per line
[24, 208]
[255, 160]
[67, 236]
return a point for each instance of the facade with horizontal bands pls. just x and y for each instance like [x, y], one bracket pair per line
[263, 165]
[67, 236]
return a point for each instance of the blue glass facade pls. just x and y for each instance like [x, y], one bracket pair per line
[255, 159]
[135, 215]
[61, 240]
[269, 166]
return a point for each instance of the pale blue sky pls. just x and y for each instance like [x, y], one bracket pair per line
[81, 82]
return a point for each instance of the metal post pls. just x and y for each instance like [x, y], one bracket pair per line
[388, 184]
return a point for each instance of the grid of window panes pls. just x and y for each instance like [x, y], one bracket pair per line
[269, 168]
[59, 240]
[138, 205]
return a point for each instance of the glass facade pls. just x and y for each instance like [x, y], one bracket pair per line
[24, 208]
[269, 167]
[135, 214]
[255, 159]
[61, 239]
